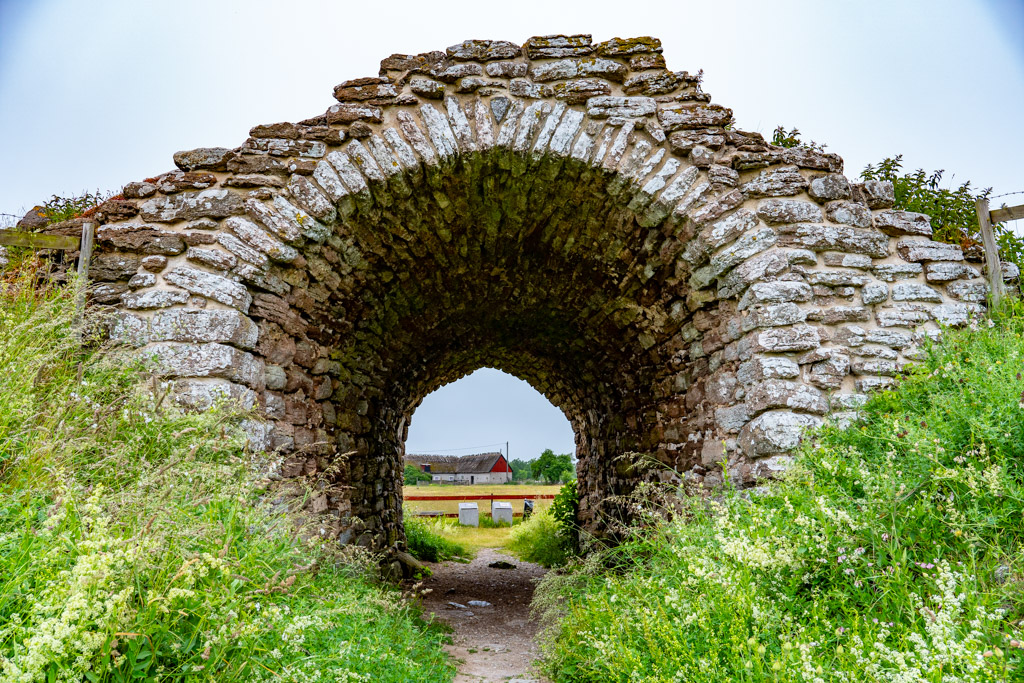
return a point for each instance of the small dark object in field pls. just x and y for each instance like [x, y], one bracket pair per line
[501, 564]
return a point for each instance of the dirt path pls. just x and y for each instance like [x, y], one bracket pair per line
[494, 643]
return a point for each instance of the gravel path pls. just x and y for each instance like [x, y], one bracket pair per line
[494, 643]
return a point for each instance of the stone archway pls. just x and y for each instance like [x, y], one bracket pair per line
[569, 212]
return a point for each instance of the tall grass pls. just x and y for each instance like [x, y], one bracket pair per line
[891, 551]
[135, 542]
[427, 542]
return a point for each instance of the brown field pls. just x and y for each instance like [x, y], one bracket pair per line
[512, 493]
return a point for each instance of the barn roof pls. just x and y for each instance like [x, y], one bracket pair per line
[480, 463]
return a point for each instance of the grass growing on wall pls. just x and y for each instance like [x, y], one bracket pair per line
[892, 551]
[135, 545]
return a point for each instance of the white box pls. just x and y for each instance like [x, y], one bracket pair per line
[469, 514]
[501, 512]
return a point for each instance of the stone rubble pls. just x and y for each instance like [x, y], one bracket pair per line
[569, 212]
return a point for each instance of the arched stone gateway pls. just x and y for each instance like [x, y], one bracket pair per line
[569, 212]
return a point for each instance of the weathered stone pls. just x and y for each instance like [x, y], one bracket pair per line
[838, 278]
[573, 68]
[620, 47]
[916, 251]
[833, 315]
[778, 182]
[211, 286]
[830, 372]
[580, 89]
[766, 367]
[901, 318]
[777, 431]
[897, 223]
[849, 213]
[362, 89]
[506, 69]
[682, 141]
[874, 293]
[113, 267]
[180, 325]
[834, 238]
[603, 107]
[483, 50]
[774, 315]
[145, 239]
[654, 83]
[840, 259]
[206, 360]
[775, 292]
[775, 211]
[913, 291]
[944, 271]
[731, 419]
[878, 194]
[153, 299]
[546, 47]
[138, 190]
[253, 235]
[203, 158]
[141, 280]
[776, 393]
[829, 187]
[203, 394]
[691, 115]
[955, 315]
[184, 207]
[800, 337]
[976, 292]
[424, 87]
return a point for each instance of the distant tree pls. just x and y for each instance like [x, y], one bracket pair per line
[551, 466]
[520, 469]
[414, 474]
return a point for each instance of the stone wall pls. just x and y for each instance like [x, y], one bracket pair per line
[572, 213]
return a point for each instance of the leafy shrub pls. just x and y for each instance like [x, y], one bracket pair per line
[565, 509]
[59, 209]
[134, 544]
[953, 213]
[414, 474]
[540, 539]
[426, 542]
[891, 551]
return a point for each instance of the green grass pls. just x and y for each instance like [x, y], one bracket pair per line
[891, 551]
[427, 541]
[540, 540]
[135, 543]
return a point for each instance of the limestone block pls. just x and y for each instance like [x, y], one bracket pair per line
[830, 187]
[259, 239]
[654, 83]
[838, 278]
[913, 291]
[732, 418]
[761, 266]
[901, 318]
[483, 50]
[766, 367]
[916, 251]
[874, 366]
[180, 325]
[563, 69]
[141, 238]
[878, 194]
[776, 182]
[603, 107]
[113, 267]
[775, 432]
[1011, 272]
[833, 315]
[849, 213]
[874, 293]
[554, 46]
[976, 292]
[202, 394]
[362, 89]
[203, 158]
[890, 272]
[774, 315]
[779, 291]
[800, 337]
[840, 259]
[830, 372]
[898, 223]
[682, 141]
[426, 87]
[579, 90]
[777, 393]
[776, 211]
[214, 203]
[211, 286]
[153, 299]
[817, 237]
[206, 360]
[956, 314]
[944, 271]
[692, 115]
[506, 69]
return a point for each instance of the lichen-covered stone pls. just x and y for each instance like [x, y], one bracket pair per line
[775, 211]
[203, 158]
[211, 286]
[205, 360]
[830, 187]
[188, 206]
[483, 50]
[777, 182]
[897, 223]
[917, 251]
[774, 432]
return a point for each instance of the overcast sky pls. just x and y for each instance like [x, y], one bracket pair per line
[97, 94]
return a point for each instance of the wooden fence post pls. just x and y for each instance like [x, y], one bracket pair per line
[84, 256]
[988, 240]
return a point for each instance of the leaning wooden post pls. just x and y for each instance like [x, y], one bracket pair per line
[84, 256]
[988, 240]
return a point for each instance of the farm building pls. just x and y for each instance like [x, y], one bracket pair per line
[482, 468]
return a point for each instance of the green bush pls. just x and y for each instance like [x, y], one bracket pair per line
[134, 544]
[426, 542]
[891, 551]
[540, 539]
[414, 474]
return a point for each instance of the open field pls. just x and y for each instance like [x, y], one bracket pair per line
[512, 493]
